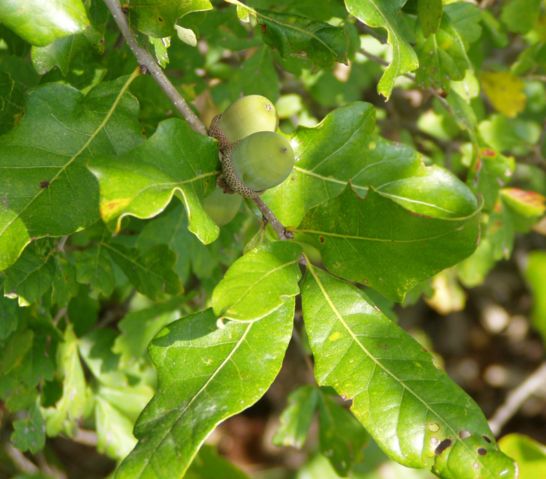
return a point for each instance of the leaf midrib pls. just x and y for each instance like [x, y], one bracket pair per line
[379, 240]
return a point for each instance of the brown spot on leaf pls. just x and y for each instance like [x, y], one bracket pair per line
[44, 184]
[442, 446]
[482, 451]
[263, 27]
[488, 153]
[487, 439]
[321, 239]
[109, 209]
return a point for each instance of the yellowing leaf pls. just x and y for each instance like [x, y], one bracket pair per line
[505, 92]
[527, 203]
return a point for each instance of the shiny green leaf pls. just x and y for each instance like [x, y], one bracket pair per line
[415, 413]
[42, 21]
[206, 374]
[344, 149]
[46, 172]
[377, 242]
[258, 283]
[175, 160]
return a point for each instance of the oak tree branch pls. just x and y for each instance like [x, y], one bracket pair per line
[516, 398]
[146, 60]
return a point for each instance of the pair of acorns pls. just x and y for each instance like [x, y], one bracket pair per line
[254, 157]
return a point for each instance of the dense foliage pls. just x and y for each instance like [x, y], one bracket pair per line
[129, 315]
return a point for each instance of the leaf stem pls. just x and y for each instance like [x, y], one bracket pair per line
[147, 61]
[270, 217]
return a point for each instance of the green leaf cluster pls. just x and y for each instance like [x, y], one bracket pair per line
[126, 311]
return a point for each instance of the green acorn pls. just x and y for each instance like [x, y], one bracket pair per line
[246, 116]
[222, 207]
[262, 160]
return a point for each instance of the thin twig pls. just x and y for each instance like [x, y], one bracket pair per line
[59, 315]
[20, 460]
[279, 228]
[146, 60]
[62, 243]
[541, 78]
[385, 63]
[50, 470]
[85, 437]
[516, 398]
